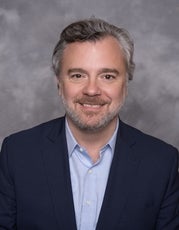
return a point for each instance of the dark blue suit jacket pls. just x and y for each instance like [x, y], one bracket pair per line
[142, 192]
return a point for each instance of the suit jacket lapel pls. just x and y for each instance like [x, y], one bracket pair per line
[121, 179]
[55, 158]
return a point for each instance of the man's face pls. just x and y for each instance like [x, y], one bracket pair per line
[92, 83]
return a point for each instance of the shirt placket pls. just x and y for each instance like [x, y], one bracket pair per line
[89, 203]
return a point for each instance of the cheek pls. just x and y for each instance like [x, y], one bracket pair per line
[117, 93]
[68, 92]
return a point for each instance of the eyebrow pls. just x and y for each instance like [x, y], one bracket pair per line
[79, 70]
[109, 70]
[103, 70]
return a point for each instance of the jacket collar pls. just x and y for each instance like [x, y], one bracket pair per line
[56, 166]
[121, 177]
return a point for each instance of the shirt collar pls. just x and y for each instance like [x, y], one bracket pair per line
[72, 143]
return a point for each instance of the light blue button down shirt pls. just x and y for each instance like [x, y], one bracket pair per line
[88, 179]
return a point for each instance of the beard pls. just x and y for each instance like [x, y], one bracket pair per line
[93, 121]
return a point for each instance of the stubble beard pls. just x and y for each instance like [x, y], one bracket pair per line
[102, 122]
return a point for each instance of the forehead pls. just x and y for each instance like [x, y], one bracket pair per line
[106, 51]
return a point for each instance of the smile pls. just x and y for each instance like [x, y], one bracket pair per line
[91, 106]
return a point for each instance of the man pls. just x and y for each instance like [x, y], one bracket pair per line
[89, 170]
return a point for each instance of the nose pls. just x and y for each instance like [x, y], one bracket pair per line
[92, 87]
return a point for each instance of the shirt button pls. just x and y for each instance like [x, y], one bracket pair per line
[90, 171]
[81, 150]
[88, 202]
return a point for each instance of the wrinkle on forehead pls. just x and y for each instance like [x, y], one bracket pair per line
[103, 54]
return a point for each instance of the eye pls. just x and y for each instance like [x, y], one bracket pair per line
[109, 77]
[76, 75]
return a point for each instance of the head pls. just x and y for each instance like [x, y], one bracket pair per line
[93, 30]
[93, 62]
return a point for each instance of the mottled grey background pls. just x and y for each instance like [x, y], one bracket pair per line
[29, 31]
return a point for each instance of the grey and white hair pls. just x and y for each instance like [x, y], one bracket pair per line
[93, 29]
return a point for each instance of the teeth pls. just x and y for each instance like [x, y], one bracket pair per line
[92, 106]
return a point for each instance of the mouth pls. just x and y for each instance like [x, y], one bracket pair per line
[91, 106]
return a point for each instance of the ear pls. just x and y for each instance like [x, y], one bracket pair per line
[59, 86]
[127, 86]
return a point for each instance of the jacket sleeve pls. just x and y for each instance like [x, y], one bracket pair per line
[7, 193]
[168, 218]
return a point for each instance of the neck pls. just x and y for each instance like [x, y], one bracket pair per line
[93, 141]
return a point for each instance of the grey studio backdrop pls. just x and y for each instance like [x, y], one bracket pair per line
[30, 29]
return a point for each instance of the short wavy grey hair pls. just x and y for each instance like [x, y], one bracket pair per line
[93, 30]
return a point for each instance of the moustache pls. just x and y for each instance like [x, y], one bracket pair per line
[91, 101]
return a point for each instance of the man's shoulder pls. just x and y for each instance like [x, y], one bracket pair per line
[143, 141]
[37, 131]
